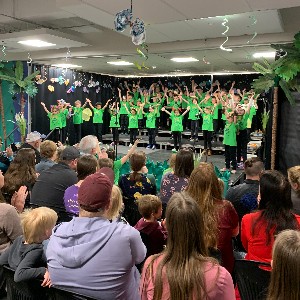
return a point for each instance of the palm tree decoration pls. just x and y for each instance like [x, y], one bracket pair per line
[20, 85]
[281, 73]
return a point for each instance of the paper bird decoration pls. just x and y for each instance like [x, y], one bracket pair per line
[71, 90]
[51, 88]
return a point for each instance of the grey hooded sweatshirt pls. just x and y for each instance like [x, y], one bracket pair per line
[96, 258]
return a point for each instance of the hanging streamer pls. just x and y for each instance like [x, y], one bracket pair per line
[143, 52]
[254, 21]
[224, 23]
[205, 61]
[29, 59]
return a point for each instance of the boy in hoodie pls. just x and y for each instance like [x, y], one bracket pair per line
[26, 255]
[91, 255]
[155, 234]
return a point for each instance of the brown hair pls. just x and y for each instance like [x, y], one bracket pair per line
[105, 162]
[111, 154]
[47, 149]
[20, 172]
[285, 274]
[86, 165]
[253, 166]
[294, 177]
[172, 160]
[116, 203]
[137, 161]
[36, 222]
[184, 163]
[186, 253]
[148, 204]
[205, 188]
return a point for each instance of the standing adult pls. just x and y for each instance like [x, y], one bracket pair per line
[51, 184]
[33, 141]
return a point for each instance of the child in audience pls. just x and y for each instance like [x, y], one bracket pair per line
[176, 126]
[150, 208]
[98, 117]
[77, 119]
[55, 117]
[285, 274]
[26, 255]
[114, 123]
[106, 163]
[116, 204]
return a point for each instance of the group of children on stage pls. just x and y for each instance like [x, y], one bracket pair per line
[142, 108]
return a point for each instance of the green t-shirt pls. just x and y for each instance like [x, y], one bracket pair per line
[133, 121]
[207, 103]
[150, 119]
[194, 111]
[230, 130]
[64, 113]
[216, 111]
[207, 122]
[184, 105]
[176, 122]
[114, 121]
[242, 121]
[117, 167]
[55, 120]
[146, 101]
[175, 104]
[123, 110]
[139, 112]
[77, 117]
[98, 115]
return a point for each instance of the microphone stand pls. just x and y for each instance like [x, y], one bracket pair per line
[8, 136]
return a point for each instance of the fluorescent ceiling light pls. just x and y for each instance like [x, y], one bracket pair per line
[120, 63]
[98, 56]
[66, 66]
[81, 57]
[270, 54]
[184, 59]
[36, 43]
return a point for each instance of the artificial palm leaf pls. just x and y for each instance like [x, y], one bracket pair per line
[19, 71]
[287, 91]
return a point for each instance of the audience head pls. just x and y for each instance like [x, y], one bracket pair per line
[116, 204]
[172, 160]
[105, 162]
[285, 274]
[49, 150]
[69, 156]
[94, 194]
[150, 207]
[111, 154]
[205, 188]
[253, 168]
[34, 139]
[37, 224]
[294, 178]
[89, 145]
[86, 165]
[184, 163]
[137, 162]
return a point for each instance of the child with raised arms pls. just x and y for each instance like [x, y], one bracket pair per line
[62, 106]
[150, 125]
[194, 109]
[98, 117]
[133, 124]
[114, 123]
[77, 119]
[123, 113]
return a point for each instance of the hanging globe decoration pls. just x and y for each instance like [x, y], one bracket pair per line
[123, 19]
[137, 32]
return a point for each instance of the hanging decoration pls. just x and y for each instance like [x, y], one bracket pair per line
[71, 89]
[97, 89]
[77, 83]
[254, 21]
[137, 32]
[39, 79]
[224, 23]
[85, 90]
[143, 52]
[205, 61]
[123, 19]
[51, 88]
[21, 122]
[3, 51]
[86, 114]
[67, 81]
[61, 80]
[29, 59]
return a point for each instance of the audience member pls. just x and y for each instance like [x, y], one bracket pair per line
[33, 141]
[285, 267]
[90, 145]
[183, 270]
[105, 163]
[177, 181]
[116, 204]
[26, 255]
[154, 234]
[20, 172]
[172, 160]
[86, 165]
[220, 218]
[51, 184]
[294, 179]
[273, 215]
[48, 156]
[105, 252]
[134, 185]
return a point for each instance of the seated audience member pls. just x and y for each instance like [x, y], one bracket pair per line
[86, 165]
[244, 196]
[134, 185]
[184, 270]
[285, 267]
[294, 179]
[116, 205]
[26, 255]
[21, 172]
[171, 168]
[90, 145]
[104, 252]
[177, 181]
[51, 184]
[105, 163]
[150, 207]
[48, 156]
[120, 162]
[273, 215]
[221, 221]
[33, 141]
